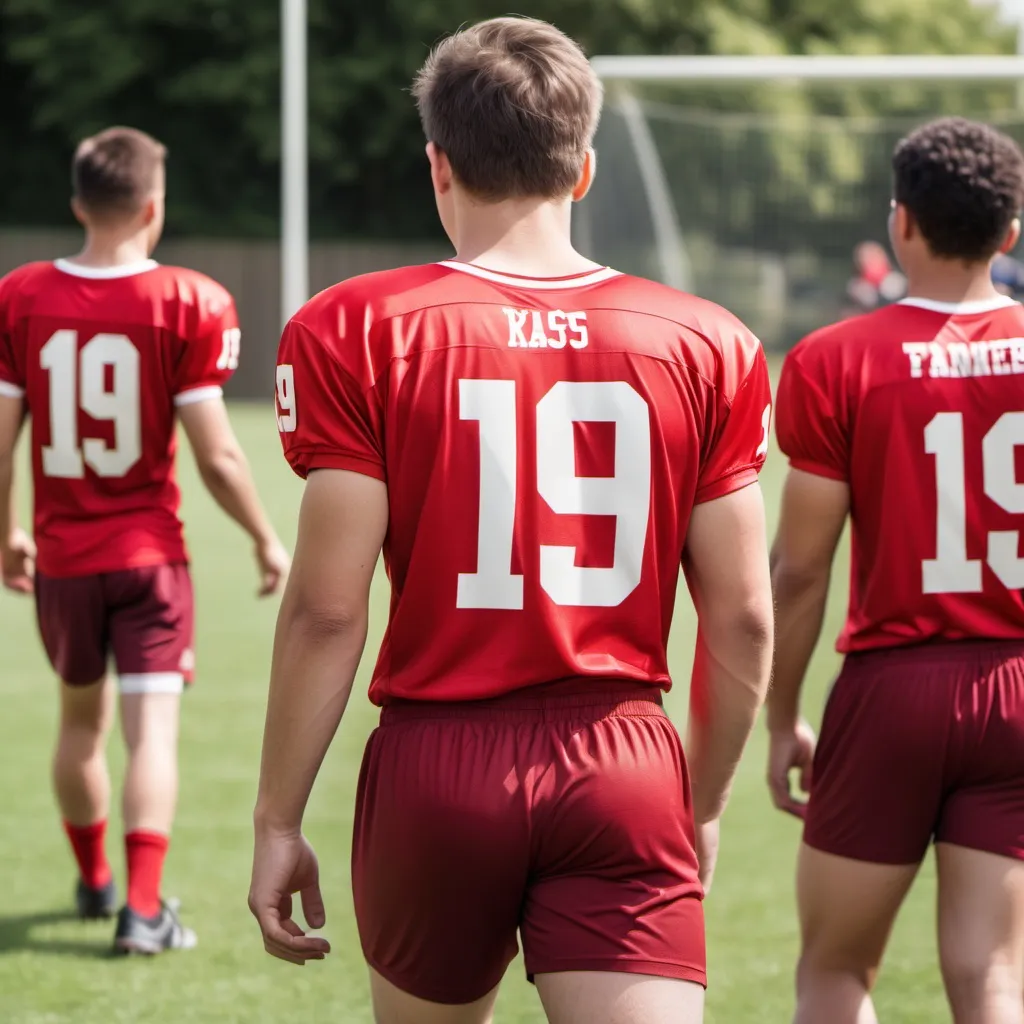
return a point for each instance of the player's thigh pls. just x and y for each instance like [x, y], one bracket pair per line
[596, 997]
[393, 1006]
[73, 624]
[614, 886]
[87, 709]
[981, 926]
[440, 856]
[879, 766]
[152, 628]
[847, 909]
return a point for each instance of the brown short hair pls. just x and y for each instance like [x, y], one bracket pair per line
[114, 172]
[514, 104]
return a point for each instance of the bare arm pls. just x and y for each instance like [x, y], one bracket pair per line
[17, 553]
[225, 472]
[321, 631]
[814, 509]
[727, 569]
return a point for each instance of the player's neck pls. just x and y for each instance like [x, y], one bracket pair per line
[527, 237]
[951, 281]
[103, 249]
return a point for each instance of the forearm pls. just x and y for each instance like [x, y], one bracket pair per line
[731, 672]
[229, 480]
[800, 600]
[8, 515]
[314, 664]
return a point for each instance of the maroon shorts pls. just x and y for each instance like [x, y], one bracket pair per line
[920, 744]
[562, 812]
[143, 617]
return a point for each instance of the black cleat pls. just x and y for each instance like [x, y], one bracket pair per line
[151, 935]
[96, 904]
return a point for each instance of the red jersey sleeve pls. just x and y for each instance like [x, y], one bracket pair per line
[739, 444]
[325, 413]
[12, 370]
[808, 424]
[211, 354]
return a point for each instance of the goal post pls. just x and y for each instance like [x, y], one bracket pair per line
[752, 179]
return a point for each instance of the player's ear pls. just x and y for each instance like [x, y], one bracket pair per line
[78, 211]
[586, 178]
[440, 169]
[149, 211]
[1012, 236]
[903, 224]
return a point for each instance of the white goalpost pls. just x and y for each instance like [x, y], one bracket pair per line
[749, 178]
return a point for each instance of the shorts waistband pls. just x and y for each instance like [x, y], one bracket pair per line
[959, 651]
[580, 700]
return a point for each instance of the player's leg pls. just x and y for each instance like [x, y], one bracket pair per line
[878, 783]
[981, 934]
[613, 926]
[439, 863]
[980, 841]
[72, 622]
[847, 909]
[393, 1006]
[151, 635]
[596, 997]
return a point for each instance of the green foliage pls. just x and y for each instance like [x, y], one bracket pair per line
[203, 75]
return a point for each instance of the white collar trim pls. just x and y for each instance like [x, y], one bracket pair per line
[105, 273]
[530, 283]
[964, 308]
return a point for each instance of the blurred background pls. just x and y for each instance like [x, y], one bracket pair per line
[771, 185]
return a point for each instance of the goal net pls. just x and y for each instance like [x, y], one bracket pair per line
[755, 182]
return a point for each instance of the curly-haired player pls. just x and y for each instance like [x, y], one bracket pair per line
[910, 421]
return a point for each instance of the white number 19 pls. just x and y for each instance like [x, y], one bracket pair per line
[951, 571]
[626, 495]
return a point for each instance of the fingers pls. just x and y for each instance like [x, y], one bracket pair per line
[313, 907]
[783, 798]
[284, 939]
[19, 584]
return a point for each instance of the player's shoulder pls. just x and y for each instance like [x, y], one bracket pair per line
[28, 278]
[189, 287]
[844, 342]
[378, 294]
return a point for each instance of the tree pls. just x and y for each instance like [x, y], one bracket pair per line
[202, 75]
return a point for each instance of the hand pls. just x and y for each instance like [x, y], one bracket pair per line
[18, 562]
[790, 749]
[283, 865]
[273, 563]
[707, 852]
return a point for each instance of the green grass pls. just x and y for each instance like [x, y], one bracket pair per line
[55, 970]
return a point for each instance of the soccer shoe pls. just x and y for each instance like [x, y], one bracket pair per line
[151, 935]
[96, 904]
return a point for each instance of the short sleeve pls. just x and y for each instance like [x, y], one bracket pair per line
[324, 413]
[808, 425]
[210, 357]
[740, 444]
[12, 374]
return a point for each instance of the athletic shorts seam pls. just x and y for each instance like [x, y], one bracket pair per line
[392, 978]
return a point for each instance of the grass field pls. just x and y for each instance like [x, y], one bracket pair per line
[55, 970]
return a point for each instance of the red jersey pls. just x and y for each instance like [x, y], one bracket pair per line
[919, 407]
[543, 443]
[102, 358]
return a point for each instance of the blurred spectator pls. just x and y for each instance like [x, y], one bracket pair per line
[1008, 275]
[876, 281]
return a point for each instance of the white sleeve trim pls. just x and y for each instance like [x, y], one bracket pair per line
[11, 390]
[152, 682]
[198, 395]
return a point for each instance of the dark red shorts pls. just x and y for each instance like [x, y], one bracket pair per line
[143, 617]
[920, 744]
[562, 812]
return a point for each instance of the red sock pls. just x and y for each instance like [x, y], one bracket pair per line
[87, 843]
[146, 852]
